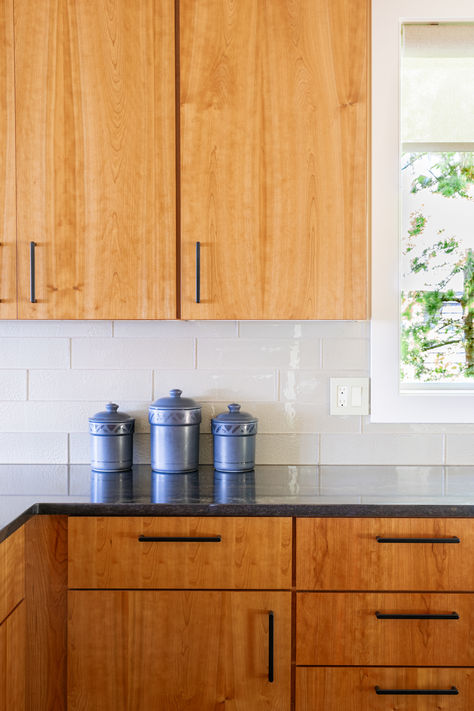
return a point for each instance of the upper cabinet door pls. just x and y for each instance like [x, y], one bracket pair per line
[274, 158]
[7, 165]
[95, 131]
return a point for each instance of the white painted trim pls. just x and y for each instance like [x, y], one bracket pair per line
[387, 403]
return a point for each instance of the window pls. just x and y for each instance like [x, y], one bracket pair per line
[423, 211]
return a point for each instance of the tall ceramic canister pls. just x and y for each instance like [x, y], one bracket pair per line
[174, 432]
[111, 439]
[234, 434]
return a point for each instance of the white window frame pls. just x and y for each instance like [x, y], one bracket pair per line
[388, 404]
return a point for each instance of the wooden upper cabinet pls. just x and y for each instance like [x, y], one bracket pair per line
[273, 99]
[95, 130]
[7, 165]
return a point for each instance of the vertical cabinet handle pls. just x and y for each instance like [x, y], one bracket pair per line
[198, 272]
[271, 626]
[32, 273]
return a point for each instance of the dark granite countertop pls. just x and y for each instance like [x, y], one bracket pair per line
[402, 491]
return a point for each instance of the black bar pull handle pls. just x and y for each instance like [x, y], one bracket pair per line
[271, 644]
[198, 272]
[422, 616]
[32, 273]
[179, 539]
[452, 539]
[417, 692]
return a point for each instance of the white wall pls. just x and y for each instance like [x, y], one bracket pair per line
[54, 374]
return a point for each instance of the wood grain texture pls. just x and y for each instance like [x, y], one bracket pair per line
[8, 308]
[177, 651]
[96, 157]
[12, 661]
[274, 158]
[341, 628]
[253, 553]
[353, 689]
[12, 572]
[343, 554]
[46, 607]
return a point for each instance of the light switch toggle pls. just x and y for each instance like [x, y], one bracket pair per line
[349, 396]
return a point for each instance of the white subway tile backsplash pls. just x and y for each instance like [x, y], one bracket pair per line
[212, 385]
[304, 329]
[34, 353]
[55, 329]
[107, 385]
[13, 384]
[35, 416]
[175, 329]
[55, 374]
[346, 353]
[459, 449]
[382, 449]
[132, 353]
[246, 353]
[294, 448]
[33, 448]
[31, 479]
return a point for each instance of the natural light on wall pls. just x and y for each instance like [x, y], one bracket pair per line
[423, 211]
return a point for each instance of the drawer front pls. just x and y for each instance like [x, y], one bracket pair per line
[354, 554]
[250, 553]
[12, 572]
[346, 628]
[345, 689]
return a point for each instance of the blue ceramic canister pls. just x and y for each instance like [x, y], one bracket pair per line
[111, 438]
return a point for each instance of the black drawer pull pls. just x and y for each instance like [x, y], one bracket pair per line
[453, 539]
[271, 625]
[179, 539]
[417, 692]
[445, 616]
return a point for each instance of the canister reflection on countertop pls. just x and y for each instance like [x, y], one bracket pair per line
[234, 487]
[174, 488]
[111, 487]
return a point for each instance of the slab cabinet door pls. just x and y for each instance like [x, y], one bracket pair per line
[12, 660]
[179, 650]
[273, 99]
[7, 165]
[95, 126]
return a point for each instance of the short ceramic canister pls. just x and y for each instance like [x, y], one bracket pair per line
[111, 439]
[234, 434]
[174, 433]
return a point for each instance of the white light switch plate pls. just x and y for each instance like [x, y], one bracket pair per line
[349, 396]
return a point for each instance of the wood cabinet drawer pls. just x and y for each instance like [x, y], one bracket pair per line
[354, 554]
[251, 553]
[343, 628]
[345, 689]
[12, 572]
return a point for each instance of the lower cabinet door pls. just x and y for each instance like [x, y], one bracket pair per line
[179, 650]
[384, 689]
[12, 660]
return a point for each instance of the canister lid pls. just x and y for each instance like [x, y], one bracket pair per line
[110, 415]
[175, 402]
[235, 415]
